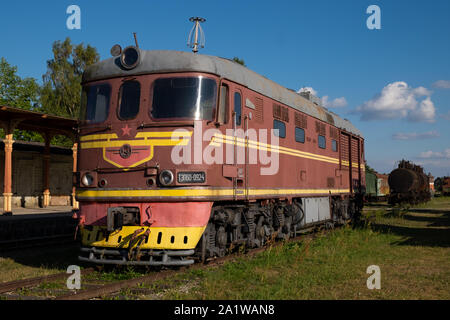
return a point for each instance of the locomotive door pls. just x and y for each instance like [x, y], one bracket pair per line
[240, 121]
[231, 107]
[355, 164]
[345, 159]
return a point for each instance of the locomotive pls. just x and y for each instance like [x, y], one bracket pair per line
[183, 157]
[408, 184]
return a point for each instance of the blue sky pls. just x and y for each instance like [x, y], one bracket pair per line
[392, 83]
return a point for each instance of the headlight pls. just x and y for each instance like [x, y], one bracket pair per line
[166, 177]
[87, 180]
[102, 183]
[130, 57]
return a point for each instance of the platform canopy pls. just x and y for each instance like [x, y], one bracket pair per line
[15, 118]
[49, 126]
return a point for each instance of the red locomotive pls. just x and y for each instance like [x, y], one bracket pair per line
[182, 156]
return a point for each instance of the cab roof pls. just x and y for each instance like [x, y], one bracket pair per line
[166, 61]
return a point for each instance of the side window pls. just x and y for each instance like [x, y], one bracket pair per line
[334, 145]
[299, 135]
[322, 142]
[223, 104]
[129, 97]
[238, 107]
[281, 128]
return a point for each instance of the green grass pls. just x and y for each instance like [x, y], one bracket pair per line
[35, 262]
[118, 274]
[411, 249]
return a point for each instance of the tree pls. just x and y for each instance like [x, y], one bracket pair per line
[61, 90]
[15, 91]
[240, 61]
[368, 168]
[19, 93]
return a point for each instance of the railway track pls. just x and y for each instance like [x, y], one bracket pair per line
[53, 287]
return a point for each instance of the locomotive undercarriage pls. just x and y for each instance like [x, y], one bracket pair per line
[231, 226]
[252, 225]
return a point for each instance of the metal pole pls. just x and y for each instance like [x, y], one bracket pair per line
[196, 37]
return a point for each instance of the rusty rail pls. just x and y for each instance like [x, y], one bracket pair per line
[100, 290]
[109, 289]
[26, 283]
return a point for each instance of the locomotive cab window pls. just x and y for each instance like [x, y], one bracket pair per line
[334, 145]
[299, 135]
[237, 107]
[279, 128]
[186, 98]
[95, 103]
[322, 142]
[129, 98]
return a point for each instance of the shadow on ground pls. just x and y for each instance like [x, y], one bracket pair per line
[54, 257]
[434, 233]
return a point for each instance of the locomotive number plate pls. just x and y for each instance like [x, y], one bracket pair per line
[191, 177]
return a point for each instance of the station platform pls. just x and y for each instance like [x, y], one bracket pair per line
[35, 226]
[20, 211]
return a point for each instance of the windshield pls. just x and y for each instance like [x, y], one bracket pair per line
[191, 98]
[129, 95]
[95, 103]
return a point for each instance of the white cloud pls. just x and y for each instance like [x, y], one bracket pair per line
[435, 154]
[426, 111]
[305, 89]
[396, 101]
[336, 103]
[415, 135]
[441, 84]
[421, 91]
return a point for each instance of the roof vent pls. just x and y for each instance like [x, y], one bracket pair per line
[309, 96]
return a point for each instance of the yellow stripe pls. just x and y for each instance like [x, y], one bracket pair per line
[99, 137]
[220, 138]
[183, 141]
[106, 139]
[279, 149]
[193, 234]
[354, 165]
[255, 192]
[156, 193]
[200, 192]
[167, 134]
[274, 149]
[137, 143]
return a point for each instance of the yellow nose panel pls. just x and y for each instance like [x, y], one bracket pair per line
[158, 238]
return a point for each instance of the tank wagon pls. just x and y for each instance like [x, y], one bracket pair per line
[408, 184]
[183, 156]
[446, 186]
